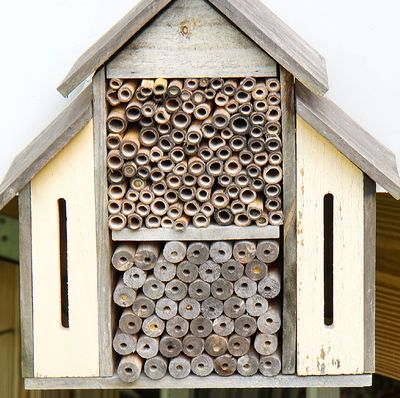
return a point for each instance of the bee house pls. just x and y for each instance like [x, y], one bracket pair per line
[201, 214]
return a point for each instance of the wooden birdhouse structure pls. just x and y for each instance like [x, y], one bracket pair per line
[200, 215]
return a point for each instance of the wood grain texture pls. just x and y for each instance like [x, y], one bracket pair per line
[25, 262]
[278, 40]
[44, 147]
[349, 138]
[369, 273]
[321, 169]
[191, 39]
[59, 351]
[101, 51]
[103, 242]
[289, 230]
[193, 382]
[212, 233]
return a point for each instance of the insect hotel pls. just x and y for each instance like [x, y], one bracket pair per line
[200, 215]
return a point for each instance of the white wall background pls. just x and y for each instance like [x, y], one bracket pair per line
[41, 39]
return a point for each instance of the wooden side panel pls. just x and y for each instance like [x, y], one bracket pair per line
[289, 234]
[191, 39]
[103, 233]
[336, 349]
[59, 351]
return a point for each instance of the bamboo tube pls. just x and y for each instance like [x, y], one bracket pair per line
[175, 87]
[272, 174]
[224, 217]
[115, 176]
[242, 220]
[232, 106]
[164, 129]
[137, 184]
[273, 128]
[166, 144]
[194, 133]
[142, 209]
[261, 158]
[147, 87]
[257, 184]
[205, 153]
[153, 221]
[247, 196]
[116, 120]
[246, 109]
[173, 181]
[205, 181]
[258, 119]
[274, 99]
[114, 206]
[191, 84]
[230, 87]
[221, 118]
[123, 295]
[130, 143]
[123, 343]
[276, 217]
[146, 122]
[208, 129]
[217, 83]
[207, 209]
[132, 195]
[203, 194]
[239, 124]
[167, 222]
[210, 93]
[173, 104]
[139, 96]
[191, 208]
[190, 149]
[273, 85]
[133, 111]
[242, 97]
[146, 196]
[224, 180]
[221, 99]
[263, 220]
[129, 368]
[117, 222]
[242, 180]
[215, 143]
[148, 109]
[219, 199]
[127, 90]
[143, 157]
[112, 97]
[157, 175]
[185, 95]
[181, 223]
[175, 211]
[232, 166]
[201, 221]
[181, 120]
[237, 207]
[160, 86]
[127, 208]
[245, 157]
[204, 82]
[171, 196]
[144, 172]
[214, 167]
[166, 164]
[180, 169]
[161, 115]
[159, 207]
[253, 170]
[274, 113]
[115, 84]
[248, 84]
[129, 169]
[273, 204]
[275, 158]
[189, 180]
[226, 134]
[260, 92]
[232, 191]
[255, 209]
[202, 111]
[186, 193]
[261, 106]
[134, 222]
[198, 97]
[256, 145]
[196, 166]
[178, 136]
[117, 191]
[188, 107]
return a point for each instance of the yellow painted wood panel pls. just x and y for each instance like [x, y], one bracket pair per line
[59, 351]
[336, 349]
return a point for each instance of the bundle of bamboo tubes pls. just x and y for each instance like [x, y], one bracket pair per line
[194, 151]
[198, 308]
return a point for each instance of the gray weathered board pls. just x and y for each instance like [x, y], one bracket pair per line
[46, 145]
[373, 158]
[192, 381]
[191, 39]
[212, 233]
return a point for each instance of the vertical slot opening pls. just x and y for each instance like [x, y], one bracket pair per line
[63, 245]
[328, 259]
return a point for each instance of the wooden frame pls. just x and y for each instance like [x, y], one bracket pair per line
[369, 273]
[26, 306]
[289, 319]
[103, 242]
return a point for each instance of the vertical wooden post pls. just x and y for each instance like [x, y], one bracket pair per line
[289, 229]
[323, 393]
[369, 273]
[25, 249]
[103, 237]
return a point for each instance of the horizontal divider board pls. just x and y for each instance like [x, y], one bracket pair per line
[211, 233]
[214, 381]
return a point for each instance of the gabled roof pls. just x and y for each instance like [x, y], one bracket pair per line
[373, 158]
[251, 16]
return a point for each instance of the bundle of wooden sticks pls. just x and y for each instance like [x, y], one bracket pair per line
[197, 308]
[193, 151]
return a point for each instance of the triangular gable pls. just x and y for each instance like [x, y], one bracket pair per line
[251, 16]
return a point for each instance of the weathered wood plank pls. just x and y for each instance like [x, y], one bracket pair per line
[212, 233]
[369, 273]
[44, 147]
[289, 230]
[278, 40]
[192, 381]
[25, 262]
[100, 52]
[324, 347]
[348, 137]
[191, 39]
[103, 235]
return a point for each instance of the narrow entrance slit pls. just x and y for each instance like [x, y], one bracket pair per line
[328, 259]
[63, 246]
